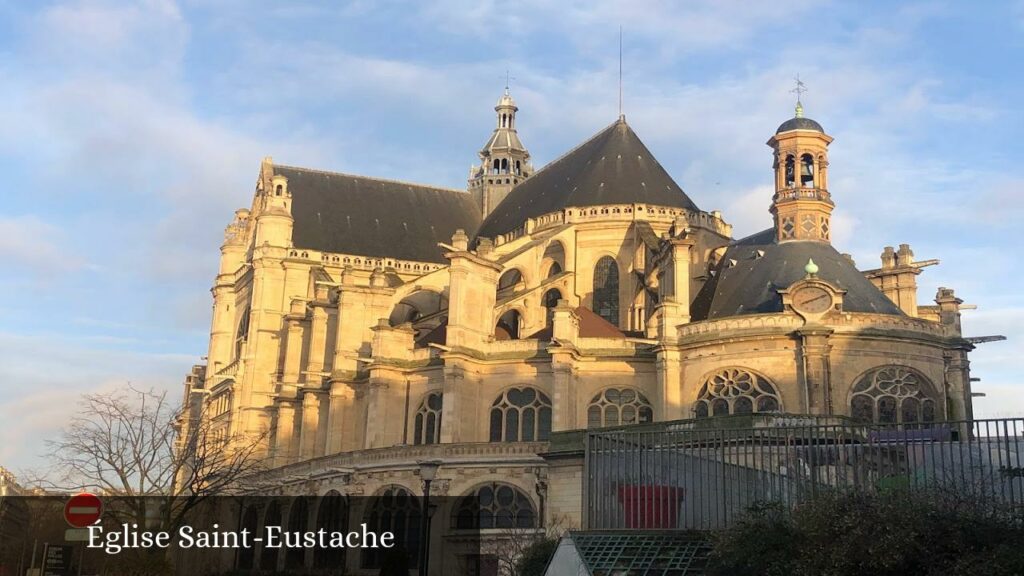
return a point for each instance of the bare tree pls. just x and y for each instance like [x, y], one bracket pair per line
[510, 546]
[134, 444]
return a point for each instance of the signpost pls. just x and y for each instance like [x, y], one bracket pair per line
[83, 510]
[80, 511]
[56, 560]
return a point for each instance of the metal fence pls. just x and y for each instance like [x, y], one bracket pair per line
[701, 474]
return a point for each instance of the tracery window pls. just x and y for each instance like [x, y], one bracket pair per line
[250, 522]
[332, 516]
[736, 391]
[521, 415]
[891, 395]
[393, 510]
[272, 517]
[616, 406]
[298, 521]
[495, 505]
[428, 420]
[606, 289]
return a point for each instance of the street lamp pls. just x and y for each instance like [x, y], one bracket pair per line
[428, 471]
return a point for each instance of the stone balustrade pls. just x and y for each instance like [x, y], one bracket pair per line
[844, 322]
[407, 457]
[613, 212]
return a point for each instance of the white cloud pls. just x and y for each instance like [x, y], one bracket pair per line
[42, 377]
[29, 243]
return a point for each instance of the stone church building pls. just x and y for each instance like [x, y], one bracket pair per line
[366, 325]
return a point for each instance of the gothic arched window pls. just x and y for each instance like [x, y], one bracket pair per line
[495, 505]
[331, 516]
[606, 289]
[393, 510]
[298, 521]
[617, 406]
[891, 395]
[521, 415]
[250, 522]
[268, 555]
[736, 391]
[427, 429]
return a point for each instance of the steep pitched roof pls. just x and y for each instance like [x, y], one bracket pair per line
[372, 217]
[613, 167]
[754, 268]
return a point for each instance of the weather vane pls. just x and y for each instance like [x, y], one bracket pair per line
[799, 89]
[508, 79]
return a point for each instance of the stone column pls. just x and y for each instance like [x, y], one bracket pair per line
[376, 414]
[284, 434]
[452, 422]
[310, 422]
[293, 351]
[670, 384]
[564, 401]
[338, 424]
[317, 346]
[681, 276]
[957, 386]
[815, 369]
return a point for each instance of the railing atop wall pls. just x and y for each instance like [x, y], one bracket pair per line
[703, 474]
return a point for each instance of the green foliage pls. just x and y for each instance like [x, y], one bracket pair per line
[894, 533]
[535, 557]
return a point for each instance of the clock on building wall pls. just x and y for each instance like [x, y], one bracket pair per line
[811, 299]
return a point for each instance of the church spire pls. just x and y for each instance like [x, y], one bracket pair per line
[802, 205]
[504, 161]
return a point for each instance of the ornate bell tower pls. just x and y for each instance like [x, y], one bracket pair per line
[504, 161]
[802, 206]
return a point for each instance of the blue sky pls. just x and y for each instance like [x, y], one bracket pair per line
[131, 131]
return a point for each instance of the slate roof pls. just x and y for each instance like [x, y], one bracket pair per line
[762, 266]
[613, 167]
[800, 123]
[504, 138]
[372, 217]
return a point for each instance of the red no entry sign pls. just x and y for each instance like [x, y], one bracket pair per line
[83, 510]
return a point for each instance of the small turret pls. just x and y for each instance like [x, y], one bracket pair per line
[274, 217]
[802, 206]
[504, 161]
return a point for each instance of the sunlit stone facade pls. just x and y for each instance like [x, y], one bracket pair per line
[365, 325]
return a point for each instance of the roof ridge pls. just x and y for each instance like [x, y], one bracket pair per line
[578, 146]
[378, 179]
